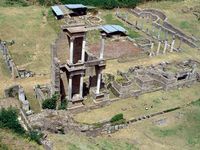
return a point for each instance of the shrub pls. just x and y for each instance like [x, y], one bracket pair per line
[117, 118]
[63, 104]
[8, 119]
[35, 136]
[50, 103]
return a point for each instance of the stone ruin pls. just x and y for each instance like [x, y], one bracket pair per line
[158, 25]
[164, 76]
[80, 73]
[12, 67]
[17, 91]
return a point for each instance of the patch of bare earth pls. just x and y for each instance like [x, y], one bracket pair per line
[115, 49]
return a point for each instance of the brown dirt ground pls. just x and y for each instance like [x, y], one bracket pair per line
[115, 49]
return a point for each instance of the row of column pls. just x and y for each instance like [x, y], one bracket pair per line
[166, 45]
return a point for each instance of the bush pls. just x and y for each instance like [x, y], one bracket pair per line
[50, 103]
[117, 118]
[35, 136]
[8, 119]
[63, 104]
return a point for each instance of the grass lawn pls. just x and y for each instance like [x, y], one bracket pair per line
[110, 18]
[29, 28]
[179, 131]
[9, 140]
[71, 141]
[131, 107]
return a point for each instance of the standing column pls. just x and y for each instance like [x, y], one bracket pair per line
[147, 18]
[142, 23]
[71, 49]
[166, 34]
[83, 50]
[165, 47]
[151, 50]
[172, 45]
[12, 69]
[103, 36]
[179, 46]
[98, 82]
[136, 23]
[159, 30]
[70, 88]
[81, 86]
[159, 43]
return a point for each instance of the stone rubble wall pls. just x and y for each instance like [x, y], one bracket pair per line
[18, 90]
[155, 81]
[15, 72]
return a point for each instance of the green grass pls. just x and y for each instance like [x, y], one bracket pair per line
[167, 132]
[13, 3]
[81, 142]
[189, 129]
[184, 25]
[9, 140]
[32, 34]
[3, 68]
[136, 107]
[109, 19]
[93, 36]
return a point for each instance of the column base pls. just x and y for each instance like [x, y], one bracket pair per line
[100, 97]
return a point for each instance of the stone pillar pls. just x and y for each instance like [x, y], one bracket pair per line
[159, 30]
[12, 69]
[147, 30]
[151, 50]
[153, 28]
[166, 34]
[81, 86]
[83, 50]
[148, 18]
[103, 36]
[71, 49]
[165, 46]
[21, 94]
[179, 46]
[98, 82]
[158, 49]
[70, 88]
[136, 23]
[126, 17]
[172, 45]
[142, 23]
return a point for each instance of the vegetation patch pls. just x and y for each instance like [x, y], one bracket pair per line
[63, 104]
[184, 25]
[110, 20]
[50, 103]
[7, 3]
[118, 119]
[8, 119]
[196, 103]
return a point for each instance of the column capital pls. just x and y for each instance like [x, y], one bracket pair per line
[72, 39]
[103, 35]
